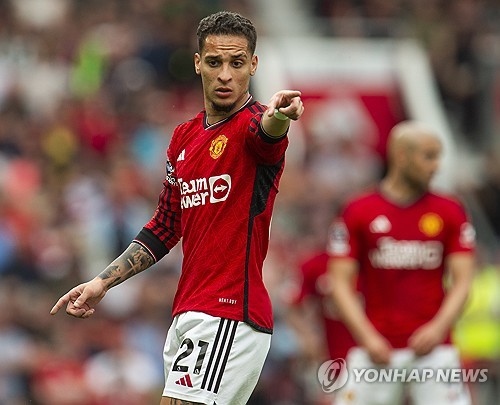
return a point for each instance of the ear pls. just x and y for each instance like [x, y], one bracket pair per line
[197, 62]
[253, 66]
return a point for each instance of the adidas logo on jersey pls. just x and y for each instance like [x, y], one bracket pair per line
[381, 224]
[185, 381]
[182, 155]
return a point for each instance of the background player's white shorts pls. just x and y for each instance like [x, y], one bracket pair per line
[213, 360]
[430, 391]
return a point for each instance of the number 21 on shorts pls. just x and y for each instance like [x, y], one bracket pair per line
[189, 348]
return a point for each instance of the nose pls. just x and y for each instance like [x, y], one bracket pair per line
[225, 73]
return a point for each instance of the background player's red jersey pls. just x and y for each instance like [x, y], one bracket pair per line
[401, 252]
[315, 284]
[221, 185]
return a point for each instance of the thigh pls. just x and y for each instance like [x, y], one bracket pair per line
[213, 360]
[439, 389]
[367, 391]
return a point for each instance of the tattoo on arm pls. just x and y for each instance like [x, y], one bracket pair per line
[134, 260]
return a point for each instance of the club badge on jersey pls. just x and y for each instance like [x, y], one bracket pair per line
[217, 147]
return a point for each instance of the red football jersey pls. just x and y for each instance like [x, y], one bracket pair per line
[221, 185]
[401, 253]
[315, 283]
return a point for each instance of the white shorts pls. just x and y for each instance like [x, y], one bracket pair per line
[377, 391]
[213, 360]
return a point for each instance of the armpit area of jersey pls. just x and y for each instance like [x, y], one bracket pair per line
[151, 242]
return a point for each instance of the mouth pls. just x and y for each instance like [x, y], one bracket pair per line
[223, 92]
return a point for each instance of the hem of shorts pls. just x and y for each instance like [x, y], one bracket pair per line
[187, 397]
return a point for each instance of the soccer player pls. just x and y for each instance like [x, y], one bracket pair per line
[402, 241]
[313, 306]
[222, 176]
[315, 291]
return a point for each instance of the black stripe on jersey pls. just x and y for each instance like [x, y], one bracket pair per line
[169, 228]
[259, 328]
[168, 204]
[264, 180]
[258, 106]
[254, 126]
[221, 348]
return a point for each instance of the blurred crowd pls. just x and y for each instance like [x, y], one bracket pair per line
[460, 36]
[89, 94]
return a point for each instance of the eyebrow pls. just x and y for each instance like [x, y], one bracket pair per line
[241, 55]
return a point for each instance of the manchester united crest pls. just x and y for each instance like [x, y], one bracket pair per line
[430, 224]
[217, 147]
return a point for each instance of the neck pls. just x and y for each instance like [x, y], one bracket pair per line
[399, 191]
[215, 115]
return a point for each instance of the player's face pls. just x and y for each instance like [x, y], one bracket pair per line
[423, 163]
[225, 65]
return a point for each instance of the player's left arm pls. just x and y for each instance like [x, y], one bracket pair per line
[285, 105]
[460, 266]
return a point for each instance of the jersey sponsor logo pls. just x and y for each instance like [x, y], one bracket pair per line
[430, 224]
[199, 192]
[381, 224]
[217, 147]
[220, 186]
[338, 239]
[406, 254]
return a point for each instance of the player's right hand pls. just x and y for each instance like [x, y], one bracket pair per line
[288, 102]
[81, 301]
[379, 349]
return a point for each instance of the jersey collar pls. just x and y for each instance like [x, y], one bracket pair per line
[206, 125]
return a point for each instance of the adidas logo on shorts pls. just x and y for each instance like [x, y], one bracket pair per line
[185, 381]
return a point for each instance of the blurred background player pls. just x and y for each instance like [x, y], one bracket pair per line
[314, 316]
[314, 296]
[402, 240]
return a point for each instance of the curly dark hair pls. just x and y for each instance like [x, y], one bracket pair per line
[227, 23]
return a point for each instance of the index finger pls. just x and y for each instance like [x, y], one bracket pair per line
[59, 304]
[293, 93]
[279, 97]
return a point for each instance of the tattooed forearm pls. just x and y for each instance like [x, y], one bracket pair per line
[134, 260]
